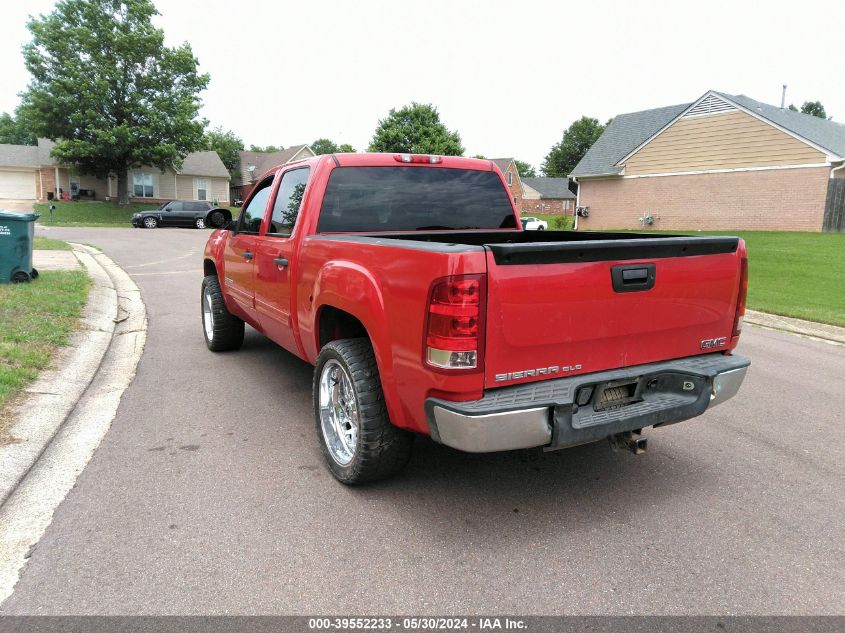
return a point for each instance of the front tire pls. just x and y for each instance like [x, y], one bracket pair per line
[223, 331]
[150, 223]
[356, 437]
[199, 223]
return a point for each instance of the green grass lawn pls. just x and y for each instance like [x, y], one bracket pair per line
[46, 244]
[794, 274]
[35, 319]
[797, 274]
[89, 213]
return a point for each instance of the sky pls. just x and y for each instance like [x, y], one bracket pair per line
[509, 76]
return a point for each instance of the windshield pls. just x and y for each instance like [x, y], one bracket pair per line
[414, 199]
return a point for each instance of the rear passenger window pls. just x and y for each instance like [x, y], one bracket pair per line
[252, 214]
[288, 201]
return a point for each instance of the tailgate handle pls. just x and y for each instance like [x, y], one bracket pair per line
[632, 278]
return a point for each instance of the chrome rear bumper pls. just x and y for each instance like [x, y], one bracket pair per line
[546, 413]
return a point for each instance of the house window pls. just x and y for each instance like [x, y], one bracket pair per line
[566, 205]
[143, 185]
[202, 189]
[510, 178]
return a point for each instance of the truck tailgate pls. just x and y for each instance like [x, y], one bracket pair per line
[557, 309]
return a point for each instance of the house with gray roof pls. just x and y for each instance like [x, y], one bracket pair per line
[720, 162]
[255, 164]
[29, 172]
[547, 196]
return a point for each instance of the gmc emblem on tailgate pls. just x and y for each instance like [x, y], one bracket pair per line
[712, 343]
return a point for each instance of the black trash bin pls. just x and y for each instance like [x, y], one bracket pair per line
[17, 233]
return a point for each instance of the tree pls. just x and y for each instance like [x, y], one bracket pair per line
[525, 169]
[815, 108]
[14, 131]
[108, 90]
[265, 150]
[324, 146]
[415, 129]
[228, 146]
[577, 139]
[327, 146]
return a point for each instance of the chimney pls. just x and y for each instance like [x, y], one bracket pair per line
[783, 98]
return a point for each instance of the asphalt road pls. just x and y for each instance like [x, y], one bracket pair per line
[208, 495]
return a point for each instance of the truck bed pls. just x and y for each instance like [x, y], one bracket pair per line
[565, 303]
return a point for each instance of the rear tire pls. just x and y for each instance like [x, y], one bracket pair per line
[199, 223]
[223, 331]
[356, 437]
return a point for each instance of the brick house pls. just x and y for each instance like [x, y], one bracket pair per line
[511, 174]
[29, 172]
[720, 162]
[254, 164]
[550, 196]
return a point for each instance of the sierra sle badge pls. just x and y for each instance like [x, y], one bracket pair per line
[540, 371]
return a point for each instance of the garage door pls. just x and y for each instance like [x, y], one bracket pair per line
[17, 184]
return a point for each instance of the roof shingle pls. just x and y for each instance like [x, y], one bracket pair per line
[204, 164]
[551, 188]
[19, 156]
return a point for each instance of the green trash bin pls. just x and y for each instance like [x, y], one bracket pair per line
[17, 233]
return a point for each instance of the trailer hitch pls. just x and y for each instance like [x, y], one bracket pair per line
[630, 440]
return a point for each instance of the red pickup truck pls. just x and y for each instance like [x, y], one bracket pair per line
[407, 282]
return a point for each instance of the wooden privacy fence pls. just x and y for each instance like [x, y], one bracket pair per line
[834, 208]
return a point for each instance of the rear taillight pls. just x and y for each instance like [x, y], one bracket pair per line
[417, 158]
[740, 301]
[454, 329]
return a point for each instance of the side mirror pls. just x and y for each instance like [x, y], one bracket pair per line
[219, 219]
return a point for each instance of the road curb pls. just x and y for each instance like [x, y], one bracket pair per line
[55, 393]
[69, 411]
[822, 331]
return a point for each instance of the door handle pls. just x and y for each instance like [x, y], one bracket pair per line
[247, 255]
[633, 278]
[281, 262]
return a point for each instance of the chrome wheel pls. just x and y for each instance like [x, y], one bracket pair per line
[207, 317]
[338, 412]
[200, 223]
[150, 223]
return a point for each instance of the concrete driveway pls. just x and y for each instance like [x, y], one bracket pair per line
[209, 495]
[18, 206]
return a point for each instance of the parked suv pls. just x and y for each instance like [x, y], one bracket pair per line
[187, 213]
